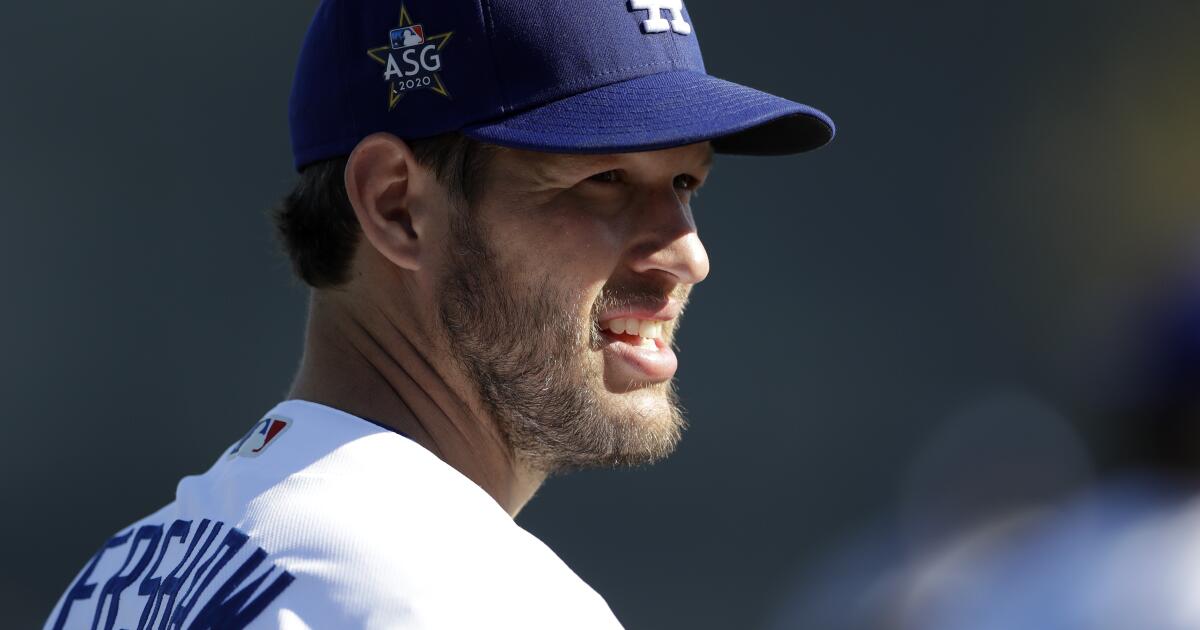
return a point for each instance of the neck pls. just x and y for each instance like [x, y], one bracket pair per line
[362, 360]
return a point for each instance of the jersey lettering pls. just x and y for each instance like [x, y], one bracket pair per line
[151, 585]
[81, 590]
[112, 590]
[192, 586]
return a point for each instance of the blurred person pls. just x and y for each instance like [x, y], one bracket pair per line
[494, 216]
[993, 466]
[1121, 552]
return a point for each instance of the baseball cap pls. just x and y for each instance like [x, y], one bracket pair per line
[564, 76]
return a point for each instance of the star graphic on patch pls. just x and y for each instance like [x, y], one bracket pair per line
[410, 32]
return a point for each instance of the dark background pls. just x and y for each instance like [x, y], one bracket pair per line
[1012, 184]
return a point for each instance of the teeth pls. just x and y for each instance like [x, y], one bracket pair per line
[647, 329]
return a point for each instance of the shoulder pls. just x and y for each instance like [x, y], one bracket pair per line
[378, 529]
[412, 539]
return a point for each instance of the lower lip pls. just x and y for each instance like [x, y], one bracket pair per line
[654, 365]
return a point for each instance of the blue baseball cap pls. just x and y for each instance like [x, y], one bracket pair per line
[563, 76]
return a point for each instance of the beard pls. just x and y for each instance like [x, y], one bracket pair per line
[538, 368]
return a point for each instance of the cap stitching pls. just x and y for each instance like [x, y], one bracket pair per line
[542, 101]
[669, 65]
[675, 46]
[485, 8]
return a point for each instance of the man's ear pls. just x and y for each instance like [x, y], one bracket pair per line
[380, 186]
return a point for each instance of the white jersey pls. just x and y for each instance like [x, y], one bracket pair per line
[320, 519]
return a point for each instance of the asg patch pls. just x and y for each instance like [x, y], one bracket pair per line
[411, 60]
[655, 23]
[260, 436]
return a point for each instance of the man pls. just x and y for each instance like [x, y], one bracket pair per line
[496, 225]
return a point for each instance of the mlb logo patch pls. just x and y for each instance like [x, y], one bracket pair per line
[411, 60]
[407, 36]
[262, 435]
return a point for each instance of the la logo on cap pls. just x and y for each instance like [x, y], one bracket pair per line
[655, 22]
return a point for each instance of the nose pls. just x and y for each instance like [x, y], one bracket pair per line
[666, 241]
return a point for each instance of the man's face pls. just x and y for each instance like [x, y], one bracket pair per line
[562, 294]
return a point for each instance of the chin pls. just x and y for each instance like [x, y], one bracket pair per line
[650, 404]
[647, 424]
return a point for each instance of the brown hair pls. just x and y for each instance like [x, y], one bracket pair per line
[316, 224]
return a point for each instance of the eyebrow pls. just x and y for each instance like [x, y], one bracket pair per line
[584, 161]
[547, 171]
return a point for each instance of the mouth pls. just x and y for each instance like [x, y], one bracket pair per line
[637, 348]
[642, 333]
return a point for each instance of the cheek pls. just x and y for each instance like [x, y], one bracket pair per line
[588, 245]
[572, 247]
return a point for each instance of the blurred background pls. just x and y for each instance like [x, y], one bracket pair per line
[978, 309]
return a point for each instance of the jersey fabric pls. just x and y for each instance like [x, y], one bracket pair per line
[321, 519]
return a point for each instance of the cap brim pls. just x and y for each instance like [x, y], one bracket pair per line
[663, 110]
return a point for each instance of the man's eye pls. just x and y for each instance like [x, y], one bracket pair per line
[607, 177]
[686, 182]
